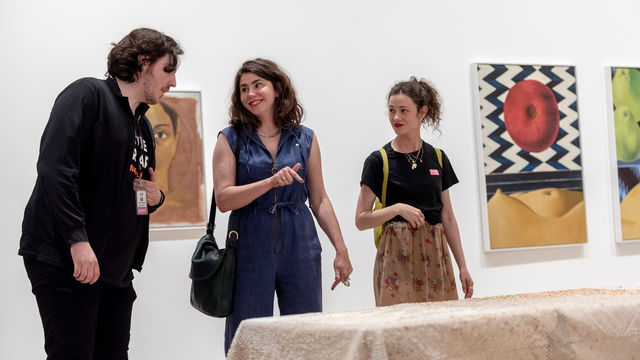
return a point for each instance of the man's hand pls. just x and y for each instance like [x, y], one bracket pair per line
[150, 187]
[85, 263]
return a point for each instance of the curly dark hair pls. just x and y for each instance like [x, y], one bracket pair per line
[287, 113]
[422, 92]
[122, 61]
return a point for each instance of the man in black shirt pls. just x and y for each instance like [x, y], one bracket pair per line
[86, 225]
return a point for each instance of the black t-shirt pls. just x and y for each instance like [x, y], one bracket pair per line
[421, 187]
[120, 250]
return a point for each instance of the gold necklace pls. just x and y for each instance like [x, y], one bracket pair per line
[413, 159]
[269, 136]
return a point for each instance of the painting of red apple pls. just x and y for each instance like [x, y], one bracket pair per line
[529, 130]
[531, 115]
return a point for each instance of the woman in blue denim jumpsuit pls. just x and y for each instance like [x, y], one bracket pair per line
[278, 170]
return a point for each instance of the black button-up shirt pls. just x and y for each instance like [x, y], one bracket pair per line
[84, 189]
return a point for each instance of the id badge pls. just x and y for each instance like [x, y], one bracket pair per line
[141, 201]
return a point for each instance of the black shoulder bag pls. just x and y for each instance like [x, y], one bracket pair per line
[213, 269]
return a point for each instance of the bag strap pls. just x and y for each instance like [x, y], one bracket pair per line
[439, 154]
[385, 176]
[211, 225]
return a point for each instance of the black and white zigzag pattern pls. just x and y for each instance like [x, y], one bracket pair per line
[501, 154]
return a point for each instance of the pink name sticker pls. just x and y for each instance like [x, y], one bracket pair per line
[434, 172]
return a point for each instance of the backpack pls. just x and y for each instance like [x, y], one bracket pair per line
[381, 203]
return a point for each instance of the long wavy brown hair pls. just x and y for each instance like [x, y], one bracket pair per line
[422, 92]
[287, 113]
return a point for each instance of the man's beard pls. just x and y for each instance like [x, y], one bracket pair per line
[149, 98]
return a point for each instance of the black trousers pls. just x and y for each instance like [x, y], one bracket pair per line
[81, 321]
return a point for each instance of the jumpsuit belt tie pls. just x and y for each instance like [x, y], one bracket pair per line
[284, 204]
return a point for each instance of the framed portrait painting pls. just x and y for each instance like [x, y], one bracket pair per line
[624, 115]
[177, 130]
[529, 161]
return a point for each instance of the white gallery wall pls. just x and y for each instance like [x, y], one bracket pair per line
[343, 56]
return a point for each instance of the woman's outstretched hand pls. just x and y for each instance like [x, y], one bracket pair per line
[285, 176]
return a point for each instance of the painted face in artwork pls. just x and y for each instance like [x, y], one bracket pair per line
[257, 95]
[166, 138]
[157, 79]
[404, 115]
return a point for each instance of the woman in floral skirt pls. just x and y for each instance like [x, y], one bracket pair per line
[413, 262]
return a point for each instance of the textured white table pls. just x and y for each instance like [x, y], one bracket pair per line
[572, 324]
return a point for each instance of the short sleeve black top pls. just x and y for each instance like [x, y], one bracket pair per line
[421, 187]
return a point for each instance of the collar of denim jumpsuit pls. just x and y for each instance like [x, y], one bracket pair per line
[284, 136]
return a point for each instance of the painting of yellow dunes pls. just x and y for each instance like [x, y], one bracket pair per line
[530, 161]
[629, 213]
[536, 218]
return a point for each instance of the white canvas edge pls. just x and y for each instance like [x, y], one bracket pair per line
[477, 128]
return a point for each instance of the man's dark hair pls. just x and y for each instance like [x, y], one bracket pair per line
[123, 60]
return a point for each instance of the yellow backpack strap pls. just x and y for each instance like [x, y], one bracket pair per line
[382, 202]
[385, 176]
[439, 154]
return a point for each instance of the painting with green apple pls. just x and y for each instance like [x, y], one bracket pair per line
[625, 91]
[531, 168]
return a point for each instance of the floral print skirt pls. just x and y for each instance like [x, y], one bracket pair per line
[413, 265]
